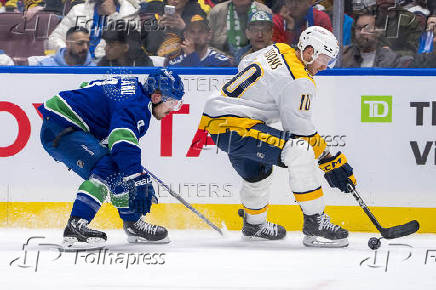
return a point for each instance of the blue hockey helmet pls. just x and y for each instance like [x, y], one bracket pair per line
[167, 82]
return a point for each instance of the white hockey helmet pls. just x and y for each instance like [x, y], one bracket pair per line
[322, 41]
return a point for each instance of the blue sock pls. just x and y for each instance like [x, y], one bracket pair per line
[85, 207]
[128, 215]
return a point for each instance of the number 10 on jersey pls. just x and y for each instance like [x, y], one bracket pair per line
[305, 102]
[236, 87]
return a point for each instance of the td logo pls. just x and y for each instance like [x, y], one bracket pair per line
[376, 109]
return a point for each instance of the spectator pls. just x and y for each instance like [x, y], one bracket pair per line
[5, 59]
[421, 13]
[279, 11]
[10, 6]
[427, 56]
[76, 52]
[165, 39]
[32, 7]
[151, 34]
[364, 7]
[401, 27]
[2, 6]
[95, 15]
[185, 9]
[259, 33]
[233, 15]
[206, 5]
[426, 40]
[366, 50]
[59, 7]
[123, 47]
[348, 23]
[196, 49]
[296, 16]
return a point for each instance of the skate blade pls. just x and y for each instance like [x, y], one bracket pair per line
[257, 239]
[71, 244]
[141, 240]
[320, 242]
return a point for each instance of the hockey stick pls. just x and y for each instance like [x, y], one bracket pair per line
[387, 233]
[184, 202]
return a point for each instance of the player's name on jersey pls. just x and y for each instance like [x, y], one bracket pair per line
[273, 59]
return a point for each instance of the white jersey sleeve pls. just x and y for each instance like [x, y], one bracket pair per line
[294, 103]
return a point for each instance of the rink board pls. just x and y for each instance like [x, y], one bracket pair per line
[176, 216]
[382, 120]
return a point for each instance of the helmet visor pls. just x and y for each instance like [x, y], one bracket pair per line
[326, 60]
[332, 63]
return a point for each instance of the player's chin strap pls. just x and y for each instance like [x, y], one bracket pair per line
[306, 63]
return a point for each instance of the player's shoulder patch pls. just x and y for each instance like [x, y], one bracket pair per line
[294, 65]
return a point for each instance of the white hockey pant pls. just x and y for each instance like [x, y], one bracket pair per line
[304, 181]
[255, 199]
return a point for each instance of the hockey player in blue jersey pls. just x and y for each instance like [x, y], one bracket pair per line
[95, 131]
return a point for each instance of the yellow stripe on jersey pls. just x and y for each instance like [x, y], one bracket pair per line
[267, 138]
[318, 144]
[220, 125]
[255, 211]
[308, 195]
[296, 67]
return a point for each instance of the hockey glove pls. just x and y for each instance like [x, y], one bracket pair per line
[338, 172]
[141, 193]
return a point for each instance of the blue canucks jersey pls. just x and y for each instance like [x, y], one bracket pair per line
[116, 111]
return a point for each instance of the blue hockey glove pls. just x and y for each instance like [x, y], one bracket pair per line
[141, 193]
[338, 172]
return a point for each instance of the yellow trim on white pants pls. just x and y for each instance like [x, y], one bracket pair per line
[308, 196]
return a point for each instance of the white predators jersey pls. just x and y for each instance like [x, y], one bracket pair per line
[271, 85]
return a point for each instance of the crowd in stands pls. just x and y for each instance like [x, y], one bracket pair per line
[208, 33]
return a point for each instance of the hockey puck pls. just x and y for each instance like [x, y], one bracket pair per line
[374, 243]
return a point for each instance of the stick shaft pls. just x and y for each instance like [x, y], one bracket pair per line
[387, 233]
[365, 208]
[184, 202]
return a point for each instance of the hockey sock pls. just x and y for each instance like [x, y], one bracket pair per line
[311, 202]
[90, 196]
[128, 215]
[256, 216]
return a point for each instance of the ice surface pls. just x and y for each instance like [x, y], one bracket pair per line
[204, 260]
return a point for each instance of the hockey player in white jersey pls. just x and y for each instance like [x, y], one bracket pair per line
[276, 84]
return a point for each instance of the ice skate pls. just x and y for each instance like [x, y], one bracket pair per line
[265, 231]
[143, 232]
[320, 232]
[77, 235]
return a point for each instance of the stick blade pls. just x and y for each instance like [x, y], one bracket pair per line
[401, 230]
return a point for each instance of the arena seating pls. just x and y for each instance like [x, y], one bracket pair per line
[20, 38]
